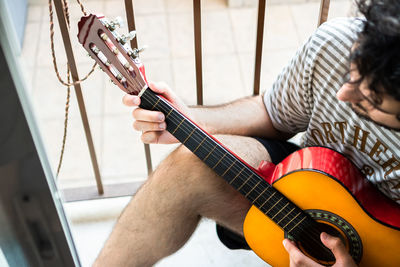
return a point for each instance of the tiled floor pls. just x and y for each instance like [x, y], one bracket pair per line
[92, 221]
[166, 26]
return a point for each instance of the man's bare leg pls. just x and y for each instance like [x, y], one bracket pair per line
[166, 210]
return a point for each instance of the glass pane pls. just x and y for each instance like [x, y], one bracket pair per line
[34, 230]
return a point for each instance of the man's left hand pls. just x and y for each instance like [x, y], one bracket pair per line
[297, 258]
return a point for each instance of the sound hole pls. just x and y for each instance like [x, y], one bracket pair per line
[312, 249]
[334, 225]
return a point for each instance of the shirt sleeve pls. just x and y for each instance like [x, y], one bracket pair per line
[289, 102]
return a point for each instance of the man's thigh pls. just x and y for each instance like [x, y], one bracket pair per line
[222, 202]
[247, 148]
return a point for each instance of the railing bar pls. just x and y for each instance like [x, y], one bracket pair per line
[130, 16]
[259, 46]
[198, 50]
[78, 91]
[323, 11]
[148, 158]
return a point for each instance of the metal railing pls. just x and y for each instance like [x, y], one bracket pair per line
[102, 191]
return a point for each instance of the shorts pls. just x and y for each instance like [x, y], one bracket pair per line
[278, 150]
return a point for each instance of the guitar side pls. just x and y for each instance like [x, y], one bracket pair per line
[313, 190]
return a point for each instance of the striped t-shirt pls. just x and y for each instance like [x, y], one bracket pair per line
[303, 99]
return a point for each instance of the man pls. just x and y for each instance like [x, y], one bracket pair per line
[342, 89]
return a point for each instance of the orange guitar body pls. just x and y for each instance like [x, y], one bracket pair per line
[309, 184]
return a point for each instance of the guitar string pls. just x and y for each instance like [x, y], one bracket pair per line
[315, 234]
[212, 146]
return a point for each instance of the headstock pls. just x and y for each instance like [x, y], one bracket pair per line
[112, 52]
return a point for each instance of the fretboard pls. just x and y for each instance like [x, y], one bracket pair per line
[231, 168]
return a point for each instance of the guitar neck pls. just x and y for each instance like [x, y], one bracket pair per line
[227, 165]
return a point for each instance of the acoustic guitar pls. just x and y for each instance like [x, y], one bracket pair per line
[314, 189]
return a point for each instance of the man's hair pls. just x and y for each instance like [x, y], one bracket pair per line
[377, 53]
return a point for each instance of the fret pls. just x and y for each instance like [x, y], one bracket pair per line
[252, 188]
[297, 224]
[199, 145]
[209, 153]
[285, 215]
[194, 129]
[273, 206]
[177, 127]
[236, 176]
[267, 199]
[279, 211]
[260, 195]
[245, 182]
[228, 168]
[219, 161]
[291, 220]
[169, 113]
[158, 100]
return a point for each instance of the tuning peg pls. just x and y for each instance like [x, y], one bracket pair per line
[136, 51]
[127, 37]
[115, 23]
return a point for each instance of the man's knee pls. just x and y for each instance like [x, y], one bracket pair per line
[182, 163]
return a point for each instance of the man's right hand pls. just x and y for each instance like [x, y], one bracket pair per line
[152, 123]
